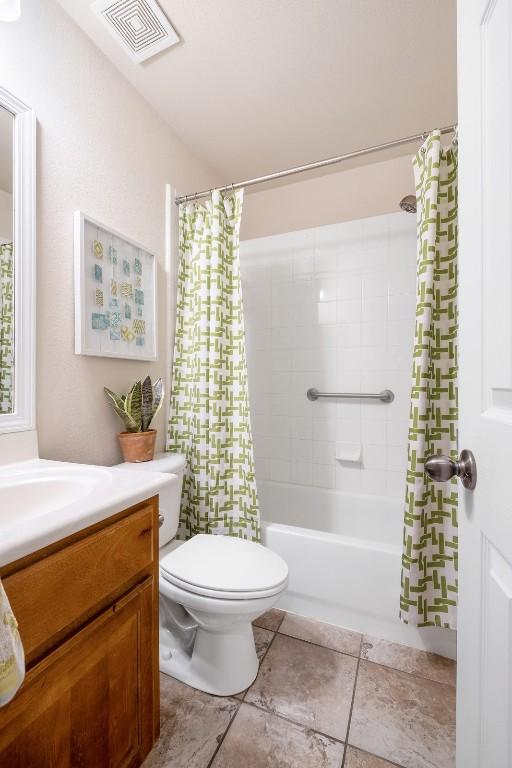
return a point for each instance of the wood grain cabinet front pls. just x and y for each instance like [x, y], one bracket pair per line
[92, 701]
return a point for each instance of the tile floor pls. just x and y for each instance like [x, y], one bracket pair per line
[324, 697]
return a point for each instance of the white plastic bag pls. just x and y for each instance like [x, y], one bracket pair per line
[12, 655]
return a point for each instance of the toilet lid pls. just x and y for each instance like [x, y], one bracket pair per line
[226, 565]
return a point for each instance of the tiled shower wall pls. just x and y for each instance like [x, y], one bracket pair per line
[331, 308]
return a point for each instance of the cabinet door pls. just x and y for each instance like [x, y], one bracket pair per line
[90, 703]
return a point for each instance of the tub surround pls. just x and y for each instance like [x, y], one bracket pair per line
[337, 315]
[45, 501]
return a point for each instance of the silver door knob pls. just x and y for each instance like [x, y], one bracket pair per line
[442, 468]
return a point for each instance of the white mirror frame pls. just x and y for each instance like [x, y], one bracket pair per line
[24, 200]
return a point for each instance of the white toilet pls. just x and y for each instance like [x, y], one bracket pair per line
[211, 589]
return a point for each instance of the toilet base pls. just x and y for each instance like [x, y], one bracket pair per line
[220, 663]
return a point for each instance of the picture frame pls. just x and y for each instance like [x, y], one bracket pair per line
[115, 293]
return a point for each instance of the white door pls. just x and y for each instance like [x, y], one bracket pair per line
[484, 685]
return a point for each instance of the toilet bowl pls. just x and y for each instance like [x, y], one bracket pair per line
[211, 588]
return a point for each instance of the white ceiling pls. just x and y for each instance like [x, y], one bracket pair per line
[260, 85]
[6, 139]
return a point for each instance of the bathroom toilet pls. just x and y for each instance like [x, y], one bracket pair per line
[211, 588]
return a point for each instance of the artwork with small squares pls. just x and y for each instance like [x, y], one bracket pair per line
[116, 303]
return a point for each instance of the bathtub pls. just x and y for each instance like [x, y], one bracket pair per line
[344, 555]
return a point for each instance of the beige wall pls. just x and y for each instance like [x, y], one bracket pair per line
[370, 190]
[5, 216]
[103, 150]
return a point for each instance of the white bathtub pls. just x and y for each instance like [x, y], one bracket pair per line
[344, 556]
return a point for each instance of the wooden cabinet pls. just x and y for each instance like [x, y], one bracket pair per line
[88, 614]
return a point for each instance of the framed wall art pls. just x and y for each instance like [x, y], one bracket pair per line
[115, 293]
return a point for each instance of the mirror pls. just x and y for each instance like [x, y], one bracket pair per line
[7, 377]
[17, 264]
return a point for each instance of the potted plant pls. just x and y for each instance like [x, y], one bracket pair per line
[137, 409]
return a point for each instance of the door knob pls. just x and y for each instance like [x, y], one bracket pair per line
[442, 468]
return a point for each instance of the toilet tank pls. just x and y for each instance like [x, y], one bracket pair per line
[170, 496]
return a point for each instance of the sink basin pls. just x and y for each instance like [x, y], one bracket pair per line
[44, 501]
[30, 494]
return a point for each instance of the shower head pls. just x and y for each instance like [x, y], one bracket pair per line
[408, 204]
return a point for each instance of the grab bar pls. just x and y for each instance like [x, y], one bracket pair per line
[386, 396]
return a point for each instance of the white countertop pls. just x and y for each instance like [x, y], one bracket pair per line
[44, 501]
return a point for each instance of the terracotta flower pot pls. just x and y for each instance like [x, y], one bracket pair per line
[137, 446]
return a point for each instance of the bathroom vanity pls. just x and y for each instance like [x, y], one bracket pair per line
[78, 543]
[87, 609]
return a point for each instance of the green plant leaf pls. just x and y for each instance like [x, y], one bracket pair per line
[129, 423]
[116, 399]
[128, 400]
[119, 406]
[134, 406]
[147, 403]
[128, 397]
[158, 396]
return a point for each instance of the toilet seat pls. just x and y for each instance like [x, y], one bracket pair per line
[222, 594]
[225, 567]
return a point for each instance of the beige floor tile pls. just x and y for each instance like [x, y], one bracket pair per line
[357, 759]
[310, 685]
[270, 620]
[192, 724]
[410, 660]
[403, 718]
[262, 640]
[328, 635]
[258, 739]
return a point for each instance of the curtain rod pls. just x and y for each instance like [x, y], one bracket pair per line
[312, 166]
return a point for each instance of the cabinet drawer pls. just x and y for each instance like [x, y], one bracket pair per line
[56, 594]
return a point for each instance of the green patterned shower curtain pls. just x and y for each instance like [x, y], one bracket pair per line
[6, 328]
[209, 416]
[430, 542]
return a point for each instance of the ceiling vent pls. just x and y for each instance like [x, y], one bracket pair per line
[139, 25]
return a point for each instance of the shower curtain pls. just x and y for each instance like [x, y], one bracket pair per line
[209, 416]
[430, 541]
[6, 329]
